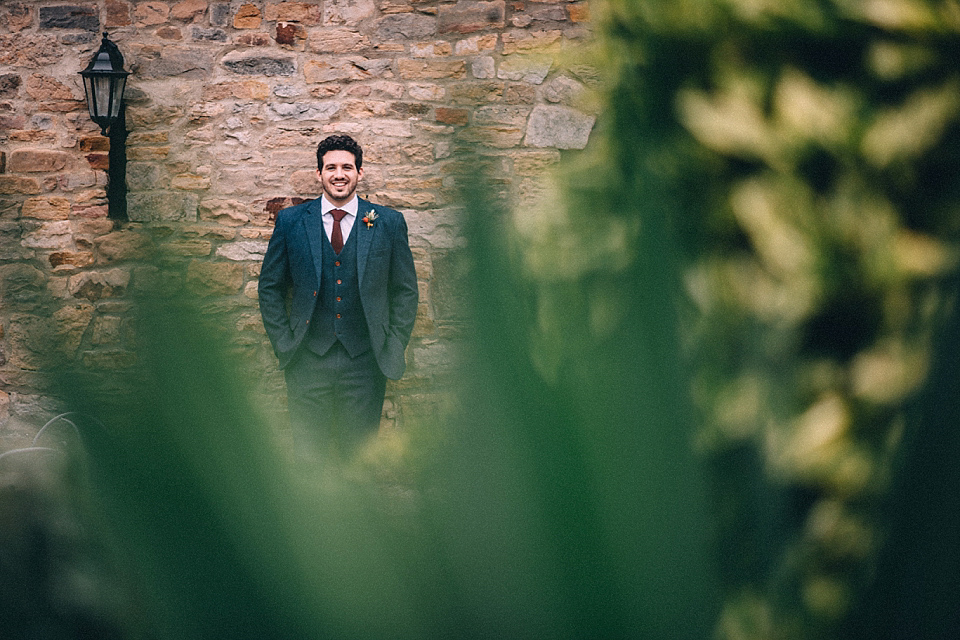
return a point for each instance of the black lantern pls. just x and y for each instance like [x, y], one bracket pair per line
[103, 82]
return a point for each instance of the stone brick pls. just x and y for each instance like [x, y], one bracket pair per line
[403, 200]
[337, 41]
[70, 323]
[189, 10]
[37, 160]
[243, 250]
[243, 90]
[350, 68]
[70, 17]
[264, 65]
[447, 115]
[405, 26]
[579, 12]
[95, 285]
[476, 93]
[431, 69]
[12, 185]
[501, 115]
[169, 33]
[46, 208]
[151, 13]
[117, 14]
[519, 94]
[303, 110]
[431, 49]
[214, 278]
[148, 138]
[290, 34]
[146, 154]
[359, 109]
[80, 180]
[17, 15]
[529, 41]
[306, 13]
[231, 213]
[10, 85]
[184, 62]
[534, 163]
[483, 68]
[190, 182]
[429, 92]
[94, 143]
[531, 70]
[29, 50]
[475, 44]
[142, 176]
[98, 160]
[196, 247]
[305, 182]
[219, 14]
[161, 206]
[123, 245]
[468, 16]
[347, 12]
[70, 260]
[414, 183]
[409, 110]
[247, 17]
[497, 136]
[563, 89]
[50, 235]
[89, 211]
[21, 285]
[106, 330]
[560, 127]
[92, 228]
[208, 34]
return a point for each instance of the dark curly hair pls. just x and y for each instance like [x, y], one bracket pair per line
[339, 143]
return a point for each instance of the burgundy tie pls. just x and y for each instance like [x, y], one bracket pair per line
[336, 238]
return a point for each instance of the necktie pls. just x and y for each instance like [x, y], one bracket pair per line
[336, 237]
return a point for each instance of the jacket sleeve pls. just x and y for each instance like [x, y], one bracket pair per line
[275, 282]
[402, 288]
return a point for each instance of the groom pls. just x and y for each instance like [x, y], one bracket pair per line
[353, 304]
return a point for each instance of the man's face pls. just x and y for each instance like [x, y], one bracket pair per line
[339, 176]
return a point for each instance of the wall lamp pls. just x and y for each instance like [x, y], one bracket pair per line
[103, 82]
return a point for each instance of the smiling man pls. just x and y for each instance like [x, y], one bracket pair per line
[354, 302]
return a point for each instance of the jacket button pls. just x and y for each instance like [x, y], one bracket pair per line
[339, 316]
[339, 298]
[339, 281]
[337, 263]
[314, 294]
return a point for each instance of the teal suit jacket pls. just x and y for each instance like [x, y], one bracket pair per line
[385, 270]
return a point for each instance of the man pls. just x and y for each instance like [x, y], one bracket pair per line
[354, 301]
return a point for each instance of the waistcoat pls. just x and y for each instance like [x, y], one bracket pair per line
[339, 314]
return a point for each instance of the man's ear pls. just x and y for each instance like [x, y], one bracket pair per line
[360, 173]
[319, 175]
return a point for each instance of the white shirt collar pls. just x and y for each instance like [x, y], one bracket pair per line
[351, 207]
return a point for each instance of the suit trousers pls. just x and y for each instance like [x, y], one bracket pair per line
[334, 401]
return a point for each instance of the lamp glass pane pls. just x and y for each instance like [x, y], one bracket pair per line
[102, 96]
[118, 85]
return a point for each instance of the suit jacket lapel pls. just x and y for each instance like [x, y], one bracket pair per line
[364, 238]
[313, 223]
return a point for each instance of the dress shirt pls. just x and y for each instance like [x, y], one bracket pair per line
[346, 223]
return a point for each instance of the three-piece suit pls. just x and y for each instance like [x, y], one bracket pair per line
[344, 329]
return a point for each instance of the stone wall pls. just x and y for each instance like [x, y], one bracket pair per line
[225, 105]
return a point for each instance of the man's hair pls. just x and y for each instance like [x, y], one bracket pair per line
[339, 143]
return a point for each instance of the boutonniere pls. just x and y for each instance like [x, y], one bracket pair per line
[369, 218]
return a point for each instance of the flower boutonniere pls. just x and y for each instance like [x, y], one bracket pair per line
[369, 218]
